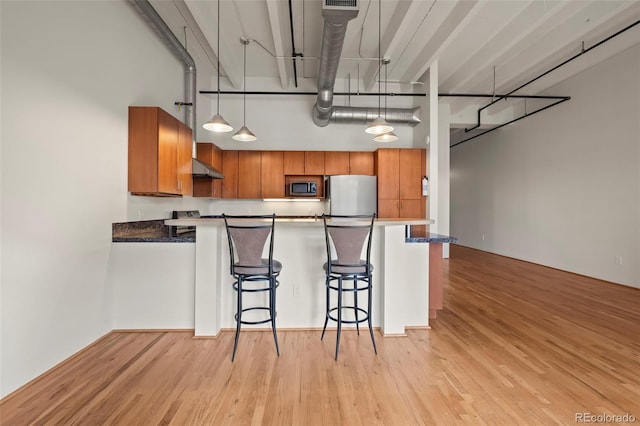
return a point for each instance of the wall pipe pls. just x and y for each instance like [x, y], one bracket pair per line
[566, 98]
[157, 24]
[582, 52]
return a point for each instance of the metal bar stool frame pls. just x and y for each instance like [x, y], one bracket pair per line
[336, 273]
[267, 270]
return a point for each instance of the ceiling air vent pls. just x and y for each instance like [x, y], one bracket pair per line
[340, 4]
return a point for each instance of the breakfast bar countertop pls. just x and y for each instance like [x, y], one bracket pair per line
[157, 231]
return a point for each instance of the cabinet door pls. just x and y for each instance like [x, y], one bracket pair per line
[272, 174]
[386, 165]
[336, 163]
[361, 163]
[185, 154]
[411, 173]
[167, 153]
[412, 208]
[294, 162]
[388, 209]
[314, 163]
[249, 174]
[230, 172]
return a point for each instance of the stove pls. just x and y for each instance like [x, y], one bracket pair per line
[177, 230]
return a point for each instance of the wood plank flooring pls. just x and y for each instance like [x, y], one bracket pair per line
[516, 344]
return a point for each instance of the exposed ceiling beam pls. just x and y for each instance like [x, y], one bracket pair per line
[278, 17]
[447, 30]
[206, 16]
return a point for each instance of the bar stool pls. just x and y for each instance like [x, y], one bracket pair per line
[252, 272]
[346, 272]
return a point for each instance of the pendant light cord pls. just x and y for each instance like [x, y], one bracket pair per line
[379, 50]
[218, 55]
[244, 86]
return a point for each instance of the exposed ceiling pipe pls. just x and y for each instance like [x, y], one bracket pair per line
[346, 114]
[324, 112]
[153, 19]
[333, 34]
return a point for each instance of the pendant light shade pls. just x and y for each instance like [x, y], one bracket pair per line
[217, 123]
[386, 137]
[244, 134]
[379, 125]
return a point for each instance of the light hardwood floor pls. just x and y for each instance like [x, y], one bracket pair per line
[516, 344]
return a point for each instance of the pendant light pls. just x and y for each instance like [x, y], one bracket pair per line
[244, 134]
[379, 125]
[387, 136]
[217, 123]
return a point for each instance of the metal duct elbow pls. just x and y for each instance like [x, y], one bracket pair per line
[333, 34]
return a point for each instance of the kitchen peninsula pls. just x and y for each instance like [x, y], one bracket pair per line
[401, 275]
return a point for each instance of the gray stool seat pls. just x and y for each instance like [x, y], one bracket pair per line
[341, 269]
[263, 268]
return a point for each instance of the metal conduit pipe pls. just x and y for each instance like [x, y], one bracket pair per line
[341, 114]
[157, 24]
[333, 34]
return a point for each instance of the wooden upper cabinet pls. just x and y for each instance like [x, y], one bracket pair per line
[159, 153]
[230, 172]
[185, 162]
[294, 162]
[361, 163]
[210, 154]
[386, 167]
[314, 163]
[249, 174]
[336, 163]
[413, 166]
[272, 174]
[400, 173]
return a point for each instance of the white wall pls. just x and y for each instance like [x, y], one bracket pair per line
[69, 72]
[560, 188]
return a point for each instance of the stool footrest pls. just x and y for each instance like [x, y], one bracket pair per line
[351, 308]
[257, 308]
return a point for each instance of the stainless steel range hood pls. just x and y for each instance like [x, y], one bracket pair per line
[205, 171]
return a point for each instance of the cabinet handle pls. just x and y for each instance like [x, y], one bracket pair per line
[180, 184]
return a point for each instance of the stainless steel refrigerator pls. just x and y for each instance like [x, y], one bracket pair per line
[352, 194]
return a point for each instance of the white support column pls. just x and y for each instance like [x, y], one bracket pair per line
[433, 149]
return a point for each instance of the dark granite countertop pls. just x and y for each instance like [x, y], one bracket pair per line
[147, 231]
[431, 238]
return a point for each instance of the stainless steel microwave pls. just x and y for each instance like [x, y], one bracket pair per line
[303, 189]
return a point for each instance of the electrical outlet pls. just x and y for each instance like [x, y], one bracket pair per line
[618, 260]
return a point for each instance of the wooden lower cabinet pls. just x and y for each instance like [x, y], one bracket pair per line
[401, 208]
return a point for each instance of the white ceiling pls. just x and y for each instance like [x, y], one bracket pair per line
[474, 41]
